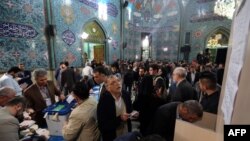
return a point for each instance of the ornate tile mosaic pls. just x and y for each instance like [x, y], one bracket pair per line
[22, 34]
[80, 13]
[161, 18]
[200, 20]
[22, 27]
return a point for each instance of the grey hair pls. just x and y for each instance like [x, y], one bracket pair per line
[110, 77]
[6, 91]
[181, 72]
[16, 100]
[193, 107]
[39, 73]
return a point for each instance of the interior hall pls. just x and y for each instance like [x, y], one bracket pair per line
[124, 70]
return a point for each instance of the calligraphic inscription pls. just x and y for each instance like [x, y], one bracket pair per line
[204, 1]
[68, 37]
[207, 17]
[151, 29]
[17, 30]
[112, 9]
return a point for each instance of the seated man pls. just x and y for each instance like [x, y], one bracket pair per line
[9, 124]
[164, 120]
[6, 94]
[40, 95]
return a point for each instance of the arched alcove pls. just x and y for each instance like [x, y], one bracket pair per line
[93, 42]
[217, 43]
[218, 38]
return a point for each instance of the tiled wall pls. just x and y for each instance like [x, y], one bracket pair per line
[161, 18]
[200, 20]
[22, 26]
[22, 37]
[73, 17]
[197, 17]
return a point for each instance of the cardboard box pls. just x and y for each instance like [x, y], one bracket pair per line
[203, 130]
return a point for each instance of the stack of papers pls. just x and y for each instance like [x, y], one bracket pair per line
[27, 123]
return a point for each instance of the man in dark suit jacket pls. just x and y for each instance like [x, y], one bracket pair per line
[108, 119]
[144, 88]
[67, 79]
[100, 77]
[40, 95]
[58, 74]
[184, 91]
[164, 120]
[24, 76]
[220, 73]
[192, 76]
[143, 99]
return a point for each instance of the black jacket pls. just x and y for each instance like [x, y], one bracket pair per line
[184, 91]
[164, 121]
[145, 89]
[25, 78]
[210, 102]
[68, 79]
[189, 78]
[106, 115]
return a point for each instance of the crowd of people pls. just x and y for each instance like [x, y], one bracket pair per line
[153, 93]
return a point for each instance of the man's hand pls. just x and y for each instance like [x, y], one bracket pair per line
[124, 116]
[26, 115]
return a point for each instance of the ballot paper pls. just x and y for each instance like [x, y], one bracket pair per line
[27, 123]
[70, 98]
[134, 115]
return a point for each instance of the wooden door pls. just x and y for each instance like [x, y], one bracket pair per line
[99, 53]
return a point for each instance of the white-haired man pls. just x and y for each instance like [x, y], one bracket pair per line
[184, 90]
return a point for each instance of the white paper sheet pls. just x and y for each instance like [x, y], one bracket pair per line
[239, 42]
[70, 98]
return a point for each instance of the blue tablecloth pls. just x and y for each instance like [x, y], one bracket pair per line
[56, 138]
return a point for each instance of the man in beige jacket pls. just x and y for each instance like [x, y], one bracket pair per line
[82, 124]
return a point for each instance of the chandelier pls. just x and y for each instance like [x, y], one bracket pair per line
[225, 8]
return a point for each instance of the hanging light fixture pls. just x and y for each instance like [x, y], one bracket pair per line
[225, 8]
[84, 35]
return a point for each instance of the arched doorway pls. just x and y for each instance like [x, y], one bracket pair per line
[93, 42]
[217, 44]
